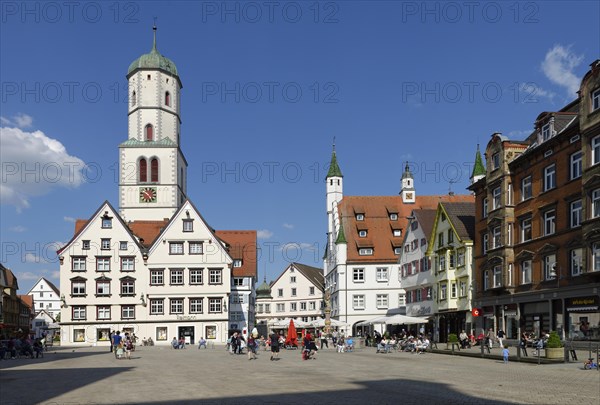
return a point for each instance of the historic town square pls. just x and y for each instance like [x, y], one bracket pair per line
[300, 201]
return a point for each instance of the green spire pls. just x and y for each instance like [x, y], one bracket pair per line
[153, 60]
[154, 42]
[334, 169]
[478, 168]
[341, 238]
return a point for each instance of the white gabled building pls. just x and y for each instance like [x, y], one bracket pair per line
[46, 296]
[415, 267]
[297, 293]
[155, 267]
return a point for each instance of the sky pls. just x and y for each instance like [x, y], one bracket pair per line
[267, 87]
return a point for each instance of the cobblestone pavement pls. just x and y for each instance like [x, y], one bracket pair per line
[164, 376]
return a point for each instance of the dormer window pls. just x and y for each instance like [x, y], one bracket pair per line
[397, 232]
[596, 99]
[237, 263]
[365, 252]
[362, 234]
[360, 217]
[546, 132]
[393, 217]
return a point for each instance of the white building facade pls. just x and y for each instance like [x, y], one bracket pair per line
[417, 279]
[297, 293]
[46, 296]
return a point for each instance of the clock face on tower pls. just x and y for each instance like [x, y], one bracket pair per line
[409, 196]
[147, 194]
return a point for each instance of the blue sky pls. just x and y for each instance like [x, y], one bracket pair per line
[266, 87]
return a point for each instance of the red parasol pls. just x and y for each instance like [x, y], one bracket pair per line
[292, 335]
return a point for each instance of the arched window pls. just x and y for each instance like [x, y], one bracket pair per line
[133, 98]
[143, 170]
[149, 132]
[154, 170]
[167, 98]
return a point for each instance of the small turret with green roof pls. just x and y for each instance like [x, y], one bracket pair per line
[334, 168]
[264, 290]
[341, 237]
[478, 167]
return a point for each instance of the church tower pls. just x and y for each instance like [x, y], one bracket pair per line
[408, 186]
[153, 170]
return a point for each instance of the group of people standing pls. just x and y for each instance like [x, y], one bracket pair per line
[122, 346]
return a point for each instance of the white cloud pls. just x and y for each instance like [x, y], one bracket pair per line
[18, 228]
[69, 219]
[532, 93]
[288, 226]
[295, 246]
[558, 66]
[27, 275]
[32, 258]
[20, 121]
[33, 165]
[264, 234]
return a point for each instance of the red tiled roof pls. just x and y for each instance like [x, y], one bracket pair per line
[27, 300]
[377, 210]
[148, 231]
[242, 246]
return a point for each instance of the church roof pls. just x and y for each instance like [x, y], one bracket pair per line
[153, 60]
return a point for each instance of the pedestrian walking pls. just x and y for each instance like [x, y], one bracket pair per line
[500, 336]
[324, 340]
[505, 354]
[116, 341]
[251, 348]
[490, 337]
[274, 346]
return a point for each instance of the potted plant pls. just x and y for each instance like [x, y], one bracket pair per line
[554, 347]
[452, 339]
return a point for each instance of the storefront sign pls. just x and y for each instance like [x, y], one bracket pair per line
[186, 318]
[476, 312]
[582, 304]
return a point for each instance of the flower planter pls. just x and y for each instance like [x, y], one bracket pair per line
[555, 353]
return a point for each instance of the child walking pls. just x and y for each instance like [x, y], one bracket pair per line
[505, 354]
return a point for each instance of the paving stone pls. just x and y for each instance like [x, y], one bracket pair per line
[213, 376]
